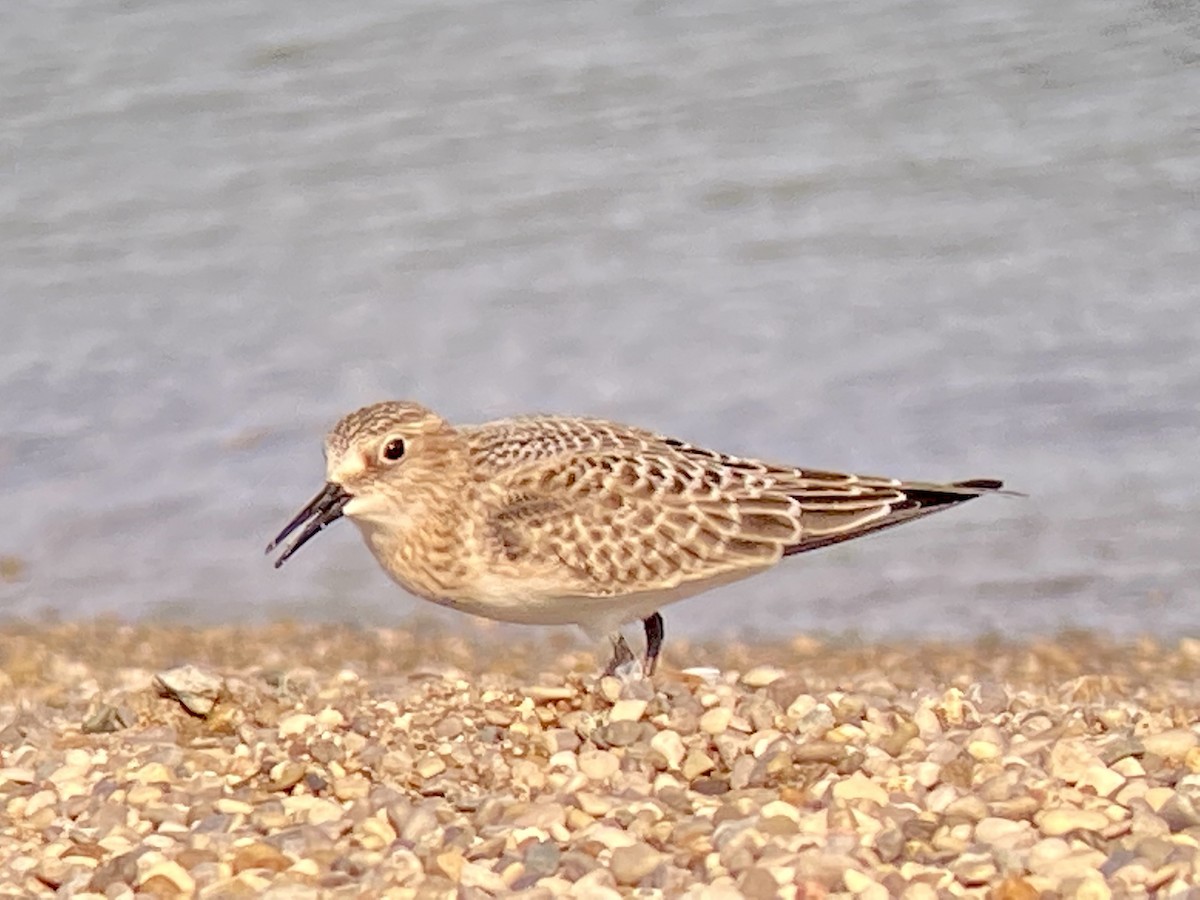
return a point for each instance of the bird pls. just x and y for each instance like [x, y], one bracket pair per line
[561, 520]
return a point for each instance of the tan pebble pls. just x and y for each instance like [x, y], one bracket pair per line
[802, 706]
[627, 710]
[974, 869]
[166, 877]
[1014, 888]
[474, 875]
[152, 773]
[430, 765]
[1192, 760]
[296, 724]
[1001, 832]
[43, 799]
[846, 734]
[927, 773]
[780, 808]
[1171, 744]
[859, 787]
[1101, 779]
[379, 827]
[596, 805]
[450, 864]
[1091, 887]
[259, 856]
[762, 676]
[1070, 760]
[599, 764]
[545, 693]
[17, 775]
[670, 745]
[559, 740]
[919, 890]
[330, 718]
[1157, 796]
[858, 883]
[696, 764]
[610, 688]
[231, 807]
[629, 865]
[697, 675]
[716, 720]
[967, 807]
[323, 811]
[351, 787]
[983, 751]
[929, 726]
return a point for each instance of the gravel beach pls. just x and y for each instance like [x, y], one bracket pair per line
[321, 761]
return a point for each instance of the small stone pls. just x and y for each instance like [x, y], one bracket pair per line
[231, 806]
[716, 720]
[559, 739]
[196, 689]
[621, 734]
[1172, 744]
[598, 764]
[1005, 833]
[1014, 888]
[1057, 822]
[629, 865]
[544, 693]
[670, 745]
[166, 878]
[107, 718]
[859, 787]
[974, 869]
[430, 765]
[259, 856]
[627, 711]
[762, 676]
[1101, 779]
[330, 719]
[983, 751]
[697, 763]
[296, 724]
[542, 858]
[1070, 761]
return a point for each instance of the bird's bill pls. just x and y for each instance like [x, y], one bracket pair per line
[321, 511]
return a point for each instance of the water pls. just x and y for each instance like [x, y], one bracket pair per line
[936, 240]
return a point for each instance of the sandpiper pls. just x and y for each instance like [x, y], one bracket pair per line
[555, 520]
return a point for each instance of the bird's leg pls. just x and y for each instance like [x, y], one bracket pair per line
[622, 655]
[654, 639]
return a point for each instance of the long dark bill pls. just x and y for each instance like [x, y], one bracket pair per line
[322, 510]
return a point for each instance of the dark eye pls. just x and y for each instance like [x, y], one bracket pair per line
[393, 449]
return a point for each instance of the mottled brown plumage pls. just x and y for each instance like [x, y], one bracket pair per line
[556, 520]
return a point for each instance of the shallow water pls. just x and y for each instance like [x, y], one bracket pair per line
[930, 240]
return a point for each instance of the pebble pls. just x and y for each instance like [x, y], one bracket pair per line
[1174, 743]
[629, 865]
[627, 711]
[196, 689]
[599, 765]
[339, 762]
[716, 720]
[1058, 822]
[859, 787]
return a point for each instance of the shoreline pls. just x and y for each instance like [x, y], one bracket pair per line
[316, 760]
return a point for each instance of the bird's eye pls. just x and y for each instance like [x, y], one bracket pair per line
[393, 450]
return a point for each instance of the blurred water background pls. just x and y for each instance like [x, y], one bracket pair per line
[936, 240]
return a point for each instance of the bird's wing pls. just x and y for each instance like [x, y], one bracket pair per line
[512, 445]
[660, 513]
